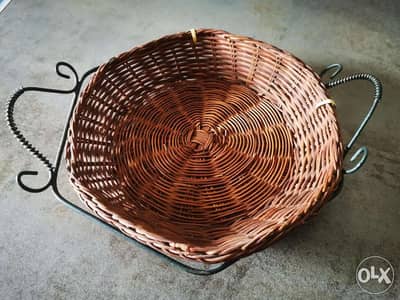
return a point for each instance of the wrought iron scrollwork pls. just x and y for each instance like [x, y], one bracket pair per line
[22, 139]
[362, 152]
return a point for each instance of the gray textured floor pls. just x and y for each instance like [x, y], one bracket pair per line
[49, 252]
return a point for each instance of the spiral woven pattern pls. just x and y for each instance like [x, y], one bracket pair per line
[208, 149]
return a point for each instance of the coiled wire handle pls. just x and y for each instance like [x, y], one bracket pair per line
[377, 97]
[34, 151]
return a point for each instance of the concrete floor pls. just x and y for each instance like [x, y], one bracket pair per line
[50, 252]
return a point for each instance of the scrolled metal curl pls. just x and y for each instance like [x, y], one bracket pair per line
[22, 139]
[377, 97]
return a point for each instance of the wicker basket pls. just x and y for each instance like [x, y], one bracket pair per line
[205, 145]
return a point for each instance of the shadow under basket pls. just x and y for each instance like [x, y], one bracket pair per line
[203, 145]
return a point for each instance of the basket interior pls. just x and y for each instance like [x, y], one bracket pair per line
[205, 149]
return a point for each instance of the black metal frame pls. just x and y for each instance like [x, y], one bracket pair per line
[53, 169]
[377, 97]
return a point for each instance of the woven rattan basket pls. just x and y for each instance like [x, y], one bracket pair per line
[204, 145]
[205, 148]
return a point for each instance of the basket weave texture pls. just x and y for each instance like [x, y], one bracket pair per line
[207, 150]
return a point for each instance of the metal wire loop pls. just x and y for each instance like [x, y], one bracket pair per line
[377, 97]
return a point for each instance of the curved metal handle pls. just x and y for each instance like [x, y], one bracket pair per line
[377, 97]
[22, 139]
